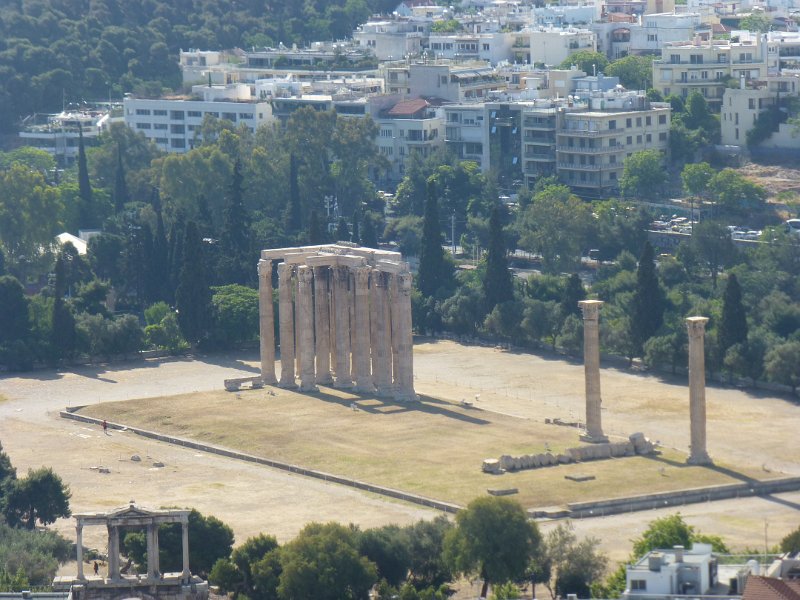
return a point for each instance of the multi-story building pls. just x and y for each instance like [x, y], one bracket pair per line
[490, 47]
[408, 127]
[707, 67]
[551, 45]
[741, 106]
[393, 39]
[58, 134]
[173, 124]
[465, 133]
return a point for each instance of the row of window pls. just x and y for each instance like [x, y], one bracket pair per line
[178, 115]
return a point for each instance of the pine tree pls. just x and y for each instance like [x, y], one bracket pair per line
[369, 238]
[498, 285]
[121, 197]
[294, 218]
[235, 235]
[356, 235]
[733, 324]
[193, 296]
[342, 230]
[316, 235]
[648, 300]
[572, 294]
[84, 186]
[63, 333]
[159, 258]
[433, 271]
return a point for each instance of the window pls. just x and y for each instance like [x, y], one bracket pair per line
[161, 141]
[648, 138]
[629, 140]
[675, 58]
[194, 113]
[638, 139]
[612, 124]
[176, 129]
[229, 116]
[704, 75]
[737, 133]
[638, 121]
[245, 116]
[213, 114]
[191, 127]
[612, 176]
[639, 585]
[486, 47]
[386, 133]
[628, 122]
[612, 159]
[751, 103]
[143, 126]
[651, 37]
[696, 59]
[177, 143]
[160, 126]
[662, 137]
[176, 115]
[662, 119]
[648, 121]
[158, 112]
[142, 111]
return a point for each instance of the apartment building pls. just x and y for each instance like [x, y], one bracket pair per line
[551, 45]
[465, 134]
[707, 67]
[59, 134]
[408, 127]
[490, 47]
[741, 107]
[173, 124]
[392, 39]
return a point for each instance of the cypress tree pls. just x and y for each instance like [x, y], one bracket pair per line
[369, 238]
[84, 186]
[235, 235]
[572, 294]
[120, 187]
[193, 296]
[648, 300]
[733, 324]
[159, 263]
[63, 333]
[498, 285]
[175, 255]
[294, 219]
[342, 230]
[315, 233]
[356, 235]
[432, 273]
[2, 262]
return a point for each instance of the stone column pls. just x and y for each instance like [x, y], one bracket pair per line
[381, 334]
[361, 347]
[394, 326]
[591, 369]
[156, 552]
[697, 391]
[79, 549]
[322, 328]
[286, 316]
[152, 573]
[185, 546]
[341, 282]
[113, 552]
[405, 342]
[305, 328]
[266, 322]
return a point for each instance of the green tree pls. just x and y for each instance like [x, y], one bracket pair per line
[342, 230]
[294, 211]
[369, 237]
[235, 260]
[323, 562]
[316, 235]
[712, 245]
[573, 293]
[389, 548]
[634, 72]
[14, 320]
[434, 271]
[757, 22]
[643, 175]
[791, 542]
[40, 497]
[426, 539]
[193, 295]
[696, 177]
[577, 564]
[588, 61]
[88, 218]
[498, 286]
[63, 335]
[733, 324]
[648, 300]
[494, 540]
[234, 314]
[120, 194]
[781, 362]
[735, 192]
[355, 237]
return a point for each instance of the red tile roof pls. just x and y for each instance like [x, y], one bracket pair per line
[769, 588]
[407, 108]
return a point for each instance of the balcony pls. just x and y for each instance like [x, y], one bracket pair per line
[595, 167]
[540, 157]
[593, 150]
[590, 132]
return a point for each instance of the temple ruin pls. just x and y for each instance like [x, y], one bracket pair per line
[344, 318]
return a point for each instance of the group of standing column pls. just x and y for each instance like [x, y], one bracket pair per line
[345, 324]
[697, 392]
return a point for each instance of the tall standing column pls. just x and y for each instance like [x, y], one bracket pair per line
[266, 322]
[286, 316]
[185, 547]
[79, 548]
[341, 282]
[591, 369]
[394, 328]
[405, 341]
[113, 552]
[322, 328]
[697, 391]
[152, 573]
[305, 328]
[381, 334]
[361, 347]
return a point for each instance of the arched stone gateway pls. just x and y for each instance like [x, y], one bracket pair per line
[345, 318]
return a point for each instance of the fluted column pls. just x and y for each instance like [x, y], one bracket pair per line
[266, 322]
[305, 328]
[361, 330]
[405, 343]
[152, 573]
[79, 548]
[697, 391]
[185, 547]
[380, 327]
[394, 327]
[322, 326]
[286, 323]
[591, 369]
[113, 552]
[341, 283]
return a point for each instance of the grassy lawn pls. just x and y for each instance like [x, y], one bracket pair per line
[433, 447]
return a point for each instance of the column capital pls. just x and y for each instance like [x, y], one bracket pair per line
[696, 326]
[362, 279]
[284, 272]
[404, 283]
[264, 268]
[305, 274]
[591, 309]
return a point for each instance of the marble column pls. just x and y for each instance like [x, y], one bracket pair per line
[361, 332]
[380, 328]
[266, 322]
[79, 549]
[405, 343]
[286, 316]
[305, 328]
[591, 369]
[322, 327]
[152, 572]
[113, 552]
[697, 391]
[341, 282]
[185, 546]
[394, 327]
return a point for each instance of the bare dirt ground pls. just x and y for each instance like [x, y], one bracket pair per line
[747, 431]
[775, 179]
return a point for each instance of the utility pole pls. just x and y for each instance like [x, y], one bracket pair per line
[453, 231]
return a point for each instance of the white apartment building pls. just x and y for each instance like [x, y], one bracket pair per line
[559, 16]
[173, 124]
[662, 28]
[392, 39]
[408, 127]
[59, 134]
[741, 107]
[551, 45]
[490, 47]
[708, 66]
[465, 133]
[454, 82]
[675, 572]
